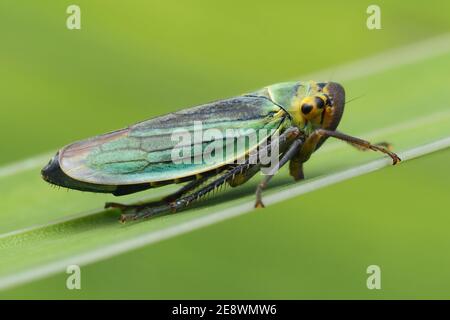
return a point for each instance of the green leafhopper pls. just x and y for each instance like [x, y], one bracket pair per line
[223, 142]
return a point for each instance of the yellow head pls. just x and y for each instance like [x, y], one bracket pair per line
[318, 105]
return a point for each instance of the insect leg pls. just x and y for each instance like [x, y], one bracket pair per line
[363, 144]
[291, 152]
[244, 176]
[181, 203]
[183, 190]
[284, 141]
[296, 167]
[186, 188]
[383, 144]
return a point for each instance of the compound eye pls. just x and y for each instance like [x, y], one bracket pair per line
[319, 102]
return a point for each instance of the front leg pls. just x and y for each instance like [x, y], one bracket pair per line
[310, 145]
[362, 144]
[384, 144]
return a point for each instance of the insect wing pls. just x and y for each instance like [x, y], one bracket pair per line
[144, 152]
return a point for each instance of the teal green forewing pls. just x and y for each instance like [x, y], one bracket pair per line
[142, 153]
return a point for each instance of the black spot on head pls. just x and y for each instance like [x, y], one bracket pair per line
[306, 108]
[319, 102]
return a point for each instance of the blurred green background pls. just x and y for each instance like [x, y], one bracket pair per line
[134, 60]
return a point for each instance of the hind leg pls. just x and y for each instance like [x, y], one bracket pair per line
[183, 190]
[183, 201]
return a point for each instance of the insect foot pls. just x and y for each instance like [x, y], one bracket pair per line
[388, 147]
[396, 159]
[127, 217]
[259, 204]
